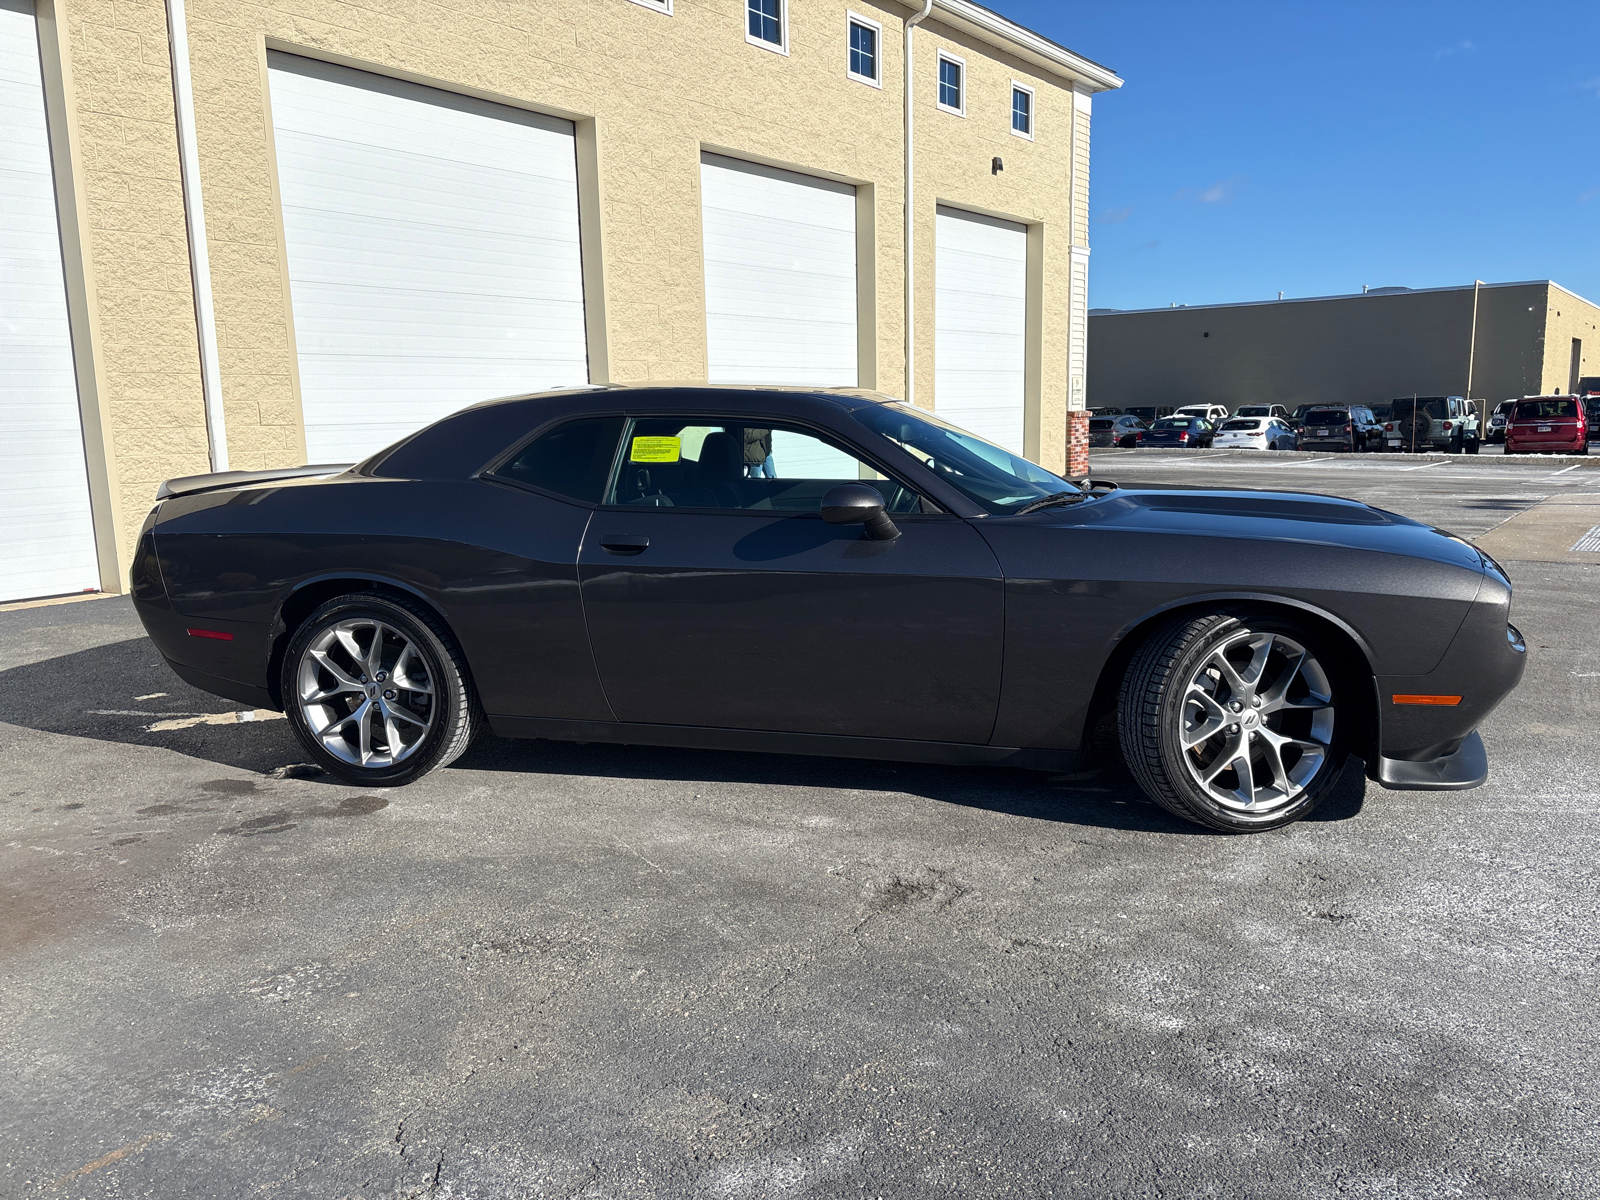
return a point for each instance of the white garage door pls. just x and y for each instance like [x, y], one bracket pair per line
[46, 533]
[433, 252]
[780, 251]
[981, 325]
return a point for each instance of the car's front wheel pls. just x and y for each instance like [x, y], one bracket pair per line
[1232, 720]
[377, 690]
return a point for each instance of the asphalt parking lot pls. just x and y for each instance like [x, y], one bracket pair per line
[592, 971]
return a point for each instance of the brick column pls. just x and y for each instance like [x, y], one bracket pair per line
[1078, 444]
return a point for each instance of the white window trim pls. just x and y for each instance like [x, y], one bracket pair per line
[852, 18]
[1033, 110]
[664, 7]
[783, 28]
[939, 85]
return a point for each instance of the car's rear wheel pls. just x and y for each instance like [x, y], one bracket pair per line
[377, 690]
[1231, 720]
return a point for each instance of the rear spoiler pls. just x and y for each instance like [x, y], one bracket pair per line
[188, 485]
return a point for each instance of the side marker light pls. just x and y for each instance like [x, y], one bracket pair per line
[214, 634]
[1438, 701]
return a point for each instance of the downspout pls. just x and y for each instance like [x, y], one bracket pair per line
[910, 214]
[194, 219]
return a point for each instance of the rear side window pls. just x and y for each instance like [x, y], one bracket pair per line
[1101, 423]
[572, 460]
[1543, 410]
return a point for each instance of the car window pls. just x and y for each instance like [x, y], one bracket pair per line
[1101, 423]
[1238, 424]
[1254, 410]
[986, 474]
[1327, 416]
[1543, 410]
[718, 462]
[573, 459]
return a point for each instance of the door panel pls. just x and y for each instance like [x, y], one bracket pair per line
[981, 326]
[753, 621]
[433, 251]
[47, 544]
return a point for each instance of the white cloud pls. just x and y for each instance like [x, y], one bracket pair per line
[1458, 48]
[1220, 192]
[1115, 216]
[1591, 194]
[1591, 85]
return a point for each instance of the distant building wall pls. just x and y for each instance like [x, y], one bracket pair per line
[1351, 349]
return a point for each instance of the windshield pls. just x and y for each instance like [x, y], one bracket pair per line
[1172, 423]
[1327, 416]
[994, 478]
[1543, 410]
[1227, 425]
[1101, 423]
[1255, 410]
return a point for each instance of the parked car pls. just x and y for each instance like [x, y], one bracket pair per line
[1591, 409]
[597, 566]
[1297, 418]
[1264, 410]
[1350, 427]
[1548, 425]
[1422, 423]
[1104, 410]
[1176, 430]
[1497, 421]
[1212, 414]
[1150, 413]
[1255, 433]
[1114, 431]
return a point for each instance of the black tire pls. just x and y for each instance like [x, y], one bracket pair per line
[1153, 715]
[445, 696]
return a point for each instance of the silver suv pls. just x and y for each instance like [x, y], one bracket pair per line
[1422, 423]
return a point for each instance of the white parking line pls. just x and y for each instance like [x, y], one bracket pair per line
[1425, 466]
[1564, 470]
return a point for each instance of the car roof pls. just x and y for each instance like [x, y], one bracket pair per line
[457, 446]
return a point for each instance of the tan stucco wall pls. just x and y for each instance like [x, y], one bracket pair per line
[1359, 349]
[647, 92]
[124, 140]
[1568, 317]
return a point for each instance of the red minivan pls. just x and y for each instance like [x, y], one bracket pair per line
[1547, 425]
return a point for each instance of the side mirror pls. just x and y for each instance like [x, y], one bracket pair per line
[859, 503]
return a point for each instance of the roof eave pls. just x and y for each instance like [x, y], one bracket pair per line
[994, 29]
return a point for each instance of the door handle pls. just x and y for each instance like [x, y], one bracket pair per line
[624, 543]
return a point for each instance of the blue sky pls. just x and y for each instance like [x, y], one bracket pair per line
[1314, 148]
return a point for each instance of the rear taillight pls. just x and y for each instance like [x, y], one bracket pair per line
[1347, 428]
[1388, 427]
[1447, 426]
[1184, 436]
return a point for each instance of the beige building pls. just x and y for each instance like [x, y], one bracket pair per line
[256, 234]
[1490, 341]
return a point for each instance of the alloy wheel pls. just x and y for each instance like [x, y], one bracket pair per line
[365, 693]
[1257, 722]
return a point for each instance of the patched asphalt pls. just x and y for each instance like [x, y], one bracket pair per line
[609, 972]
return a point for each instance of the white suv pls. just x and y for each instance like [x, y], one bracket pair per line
[1214, 413]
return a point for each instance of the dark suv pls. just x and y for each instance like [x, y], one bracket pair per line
[1350, 427]
[1418, 424]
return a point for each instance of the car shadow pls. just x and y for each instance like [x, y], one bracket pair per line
[124, 693]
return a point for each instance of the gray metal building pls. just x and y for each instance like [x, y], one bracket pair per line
[1489, 341]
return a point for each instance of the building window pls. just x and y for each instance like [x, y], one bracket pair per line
[952, 92]
[766, 24]
[1022, 110]
[865, 38]
[660, 6]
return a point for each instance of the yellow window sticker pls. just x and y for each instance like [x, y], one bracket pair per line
[656, 450]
